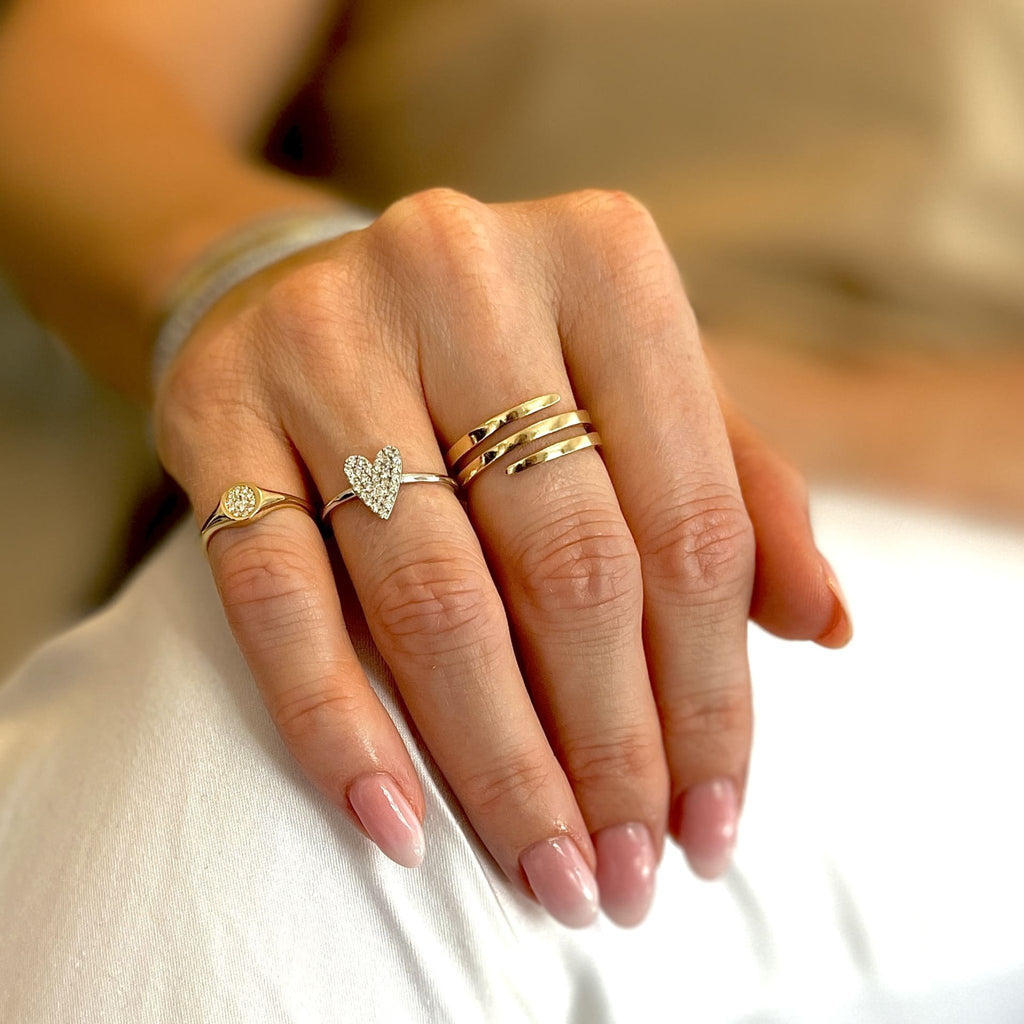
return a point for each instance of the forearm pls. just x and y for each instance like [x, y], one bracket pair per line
[111, 182]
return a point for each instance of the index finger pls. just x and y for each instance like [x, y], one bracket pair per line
[281, 600]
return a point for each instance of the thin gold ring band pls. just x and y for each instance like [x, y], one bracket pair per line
[542, 428]
[480, 433]
[244, 503]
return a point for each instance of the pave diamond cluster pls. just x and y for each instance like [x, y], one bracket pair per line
[240, 502]
[376, 483]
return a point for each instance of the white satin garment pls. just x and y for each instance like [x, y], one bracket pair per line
[164, 860]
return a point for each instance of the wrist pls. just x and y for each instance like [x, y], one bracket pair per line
[235, 256]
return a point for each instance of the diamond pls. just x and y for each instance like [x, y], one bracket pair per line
[240, 501]
[376, 484]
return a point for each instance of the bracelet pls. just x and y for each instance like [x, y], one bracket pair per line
[238, 256]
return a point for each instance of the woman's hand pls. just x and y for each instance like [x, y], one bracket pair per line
[571, 642]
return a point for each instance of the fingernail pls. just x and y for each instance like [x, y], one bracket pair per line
[626, 862]
[708, 816]
[388, 818]
[561, 880]
[839, 631]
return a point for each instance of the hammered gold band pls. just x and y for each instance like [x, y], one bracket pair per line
[244, 503]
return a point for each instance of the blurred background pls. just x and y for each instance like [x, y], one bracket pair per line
[841, 183]
[79, 477]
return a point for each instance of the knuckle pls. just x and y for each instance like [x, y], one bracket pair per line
[629, 241]
[317, 338]
[298, 324]
[629, 267]
[700, 544]
[504, 786]
[437, 227]
[316, 707]
[612, 207]
[437, 604]
[448, 247]
[269, 586]
[239, 373]
[584, 560]
[713, 720]
[623, 757]
[199, 398]
[430, 203]
[311, 302]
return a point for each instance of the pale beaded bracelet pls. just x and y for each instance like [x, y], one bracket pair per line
[240, 255]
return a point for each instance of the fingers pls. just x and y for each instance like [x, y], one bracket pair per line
[420, 576]
[618, 703]
[564, 560]
[635, 360]
[440, 624]
[570, 574]
[796, 593]
[282, 604]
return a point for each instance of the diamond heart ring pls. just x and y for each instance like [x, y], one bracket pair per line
[243, 503]
[376, 483]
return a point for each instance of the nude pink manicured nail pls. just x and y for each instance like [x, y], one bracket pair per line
[839, 632]
[708, 818]
[626, 862]
[388, 818]
[561, 881]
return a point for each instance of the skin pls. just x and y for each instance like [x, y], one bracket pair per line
[570, 641]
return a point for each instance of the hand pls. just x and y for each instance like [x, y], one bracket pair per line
[571, 643]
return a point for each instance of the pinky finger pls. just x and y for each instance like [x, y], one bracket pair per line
[281, 600]
[796, 594]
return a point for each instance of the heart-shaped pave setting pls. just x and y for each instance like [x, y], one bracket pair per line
[376, 483]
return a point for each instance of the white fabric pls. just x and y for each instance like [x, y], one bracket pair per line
[163, 860]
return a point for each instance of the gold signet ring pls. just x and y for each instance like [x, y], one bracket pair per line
[244, 503]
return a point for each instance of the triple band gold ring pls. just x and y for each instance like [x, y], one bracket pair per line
[472, 439]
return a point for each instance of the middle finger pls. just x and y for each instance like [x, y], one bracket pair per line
[564, 561]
